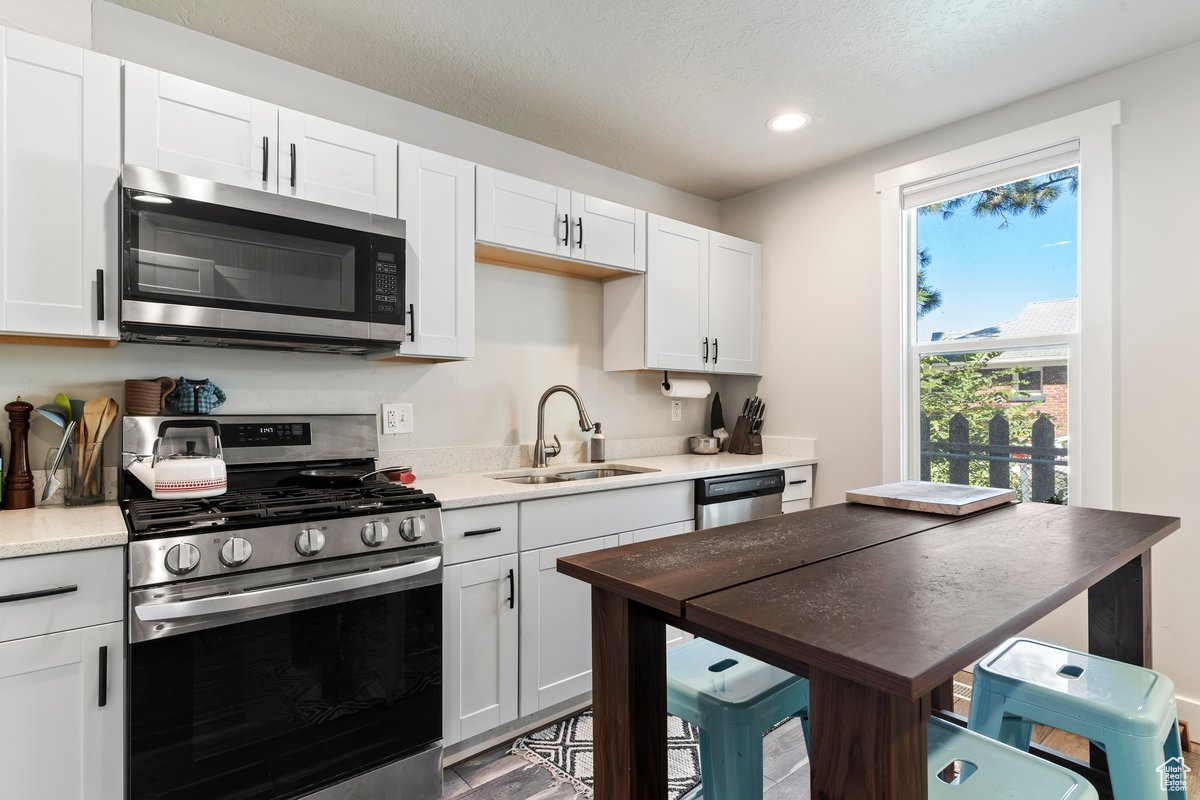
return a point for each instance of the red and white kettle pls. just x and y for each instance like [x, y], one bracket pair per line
[183, 466]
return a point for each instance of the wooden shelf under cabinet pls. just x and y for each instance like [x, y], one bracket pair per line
[552, 265]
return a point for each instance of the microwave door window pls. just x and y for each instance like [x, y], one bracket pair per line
[211, 263]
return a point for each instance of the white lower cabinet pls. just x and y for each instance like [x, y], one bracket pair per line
[480, 646]
[556, 629]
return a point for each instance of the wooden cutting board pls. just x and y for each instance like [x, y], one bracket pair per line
[934, 498]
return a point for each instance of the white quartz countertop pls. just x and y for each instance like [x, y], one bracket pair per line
[53, 529]
[463, 490]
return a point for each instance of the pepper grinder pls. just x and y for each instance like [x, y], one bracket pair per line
[18, 482]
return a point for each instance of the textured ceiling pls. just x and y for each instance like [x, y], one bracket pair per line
[679, 91]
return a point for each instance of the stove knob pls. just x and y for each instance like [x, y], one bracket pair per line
[182, 558]
[235, 552]
[412, 528]
[375, 533]
[310, 542]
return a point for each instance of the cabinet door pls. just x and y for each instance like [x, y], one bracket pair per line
[735, 273]
[438, 207]
[609, 233]
[480, 644]
[521, 212]
[63, 735]
[177, 125]
[556, 627]
[677, 294]
[675, 637]
[337, 165]
[60, 158]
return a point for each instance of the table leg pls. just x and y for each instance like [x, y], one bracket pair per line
[629, 699]
[1119, 621]
[866, 743]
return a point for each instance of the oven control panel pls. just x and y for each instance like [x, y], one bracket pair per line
[200, 555]
[387, 285]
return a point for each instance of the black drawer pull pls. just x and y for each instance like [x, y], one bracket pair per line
[797, 483]
[293, 153]
[102, 689]
[512, 590]
[100, 295]
[266, 144]
[12, 598]
[482, 531]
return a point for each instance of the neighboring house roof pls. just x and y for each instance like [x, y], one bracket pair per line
[1039, 318]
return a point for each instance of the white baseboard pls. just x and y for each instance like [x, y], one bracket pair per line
[1189, 712]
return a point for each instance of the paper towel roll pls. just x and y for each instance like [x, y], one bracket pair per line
[687, 389]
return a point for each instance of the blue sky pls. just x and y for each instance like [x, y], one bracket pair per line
[987, 274]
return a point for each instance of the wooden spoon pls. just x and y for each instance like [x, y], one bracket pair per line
[93, 413]
[97, 432]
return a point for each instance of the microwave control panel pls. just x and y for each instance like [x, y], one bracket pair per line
[386, 295]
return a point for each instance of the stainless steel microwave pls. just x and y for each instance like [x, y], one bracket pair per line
[204, 263]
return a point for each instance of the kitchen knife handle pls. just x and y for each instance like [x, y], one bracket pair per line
[412, 323]
[705, 349]
[102, 677]
[566, 229]
[266, 145]
[293, 149]
[100, 294]
[579, 222]
[716, 351]
[512, 589]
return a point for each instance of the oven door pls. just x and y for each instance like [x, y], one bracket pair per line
[204, 258]
[278, 683]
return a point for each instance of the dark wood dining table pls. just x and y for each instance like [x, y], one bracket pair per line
[878, 607]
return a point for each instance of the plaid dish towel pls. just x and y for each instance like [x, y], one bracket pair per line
[196, 396]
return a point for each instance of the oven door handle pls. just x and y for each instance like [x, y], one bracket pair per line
[257, 598]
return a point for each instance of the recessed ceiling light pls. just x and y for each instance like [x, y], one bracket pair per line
[789, 121]
[151, 198]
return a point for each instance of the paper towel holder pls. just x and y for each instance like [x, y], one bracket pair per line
[666, 384]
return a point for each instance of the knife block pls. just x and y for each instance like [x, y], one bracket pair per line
[743, 441]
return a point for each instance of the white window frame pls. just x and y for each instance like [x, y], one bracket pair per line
[1090, 370]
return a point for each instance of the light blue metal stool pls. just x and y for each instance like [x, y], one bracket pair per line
[993, 771]
[733, 699]
[1127, 710]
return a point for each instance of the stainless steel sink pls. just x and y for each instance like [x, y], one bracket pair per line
[588, 474]
[534, 479]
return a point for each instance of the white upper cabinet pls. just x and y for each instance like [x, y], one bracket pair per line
[523, 214]
[735, 274]
[609, 233]
[698, 308]
[438, 206]
[60, 158]
[335, 164]
[178, 125]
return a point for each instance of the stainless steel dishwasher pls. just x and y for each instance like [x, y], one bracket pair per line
[727, 499]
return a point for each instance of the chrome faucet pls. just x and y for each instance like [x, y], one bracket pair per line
[541, 450]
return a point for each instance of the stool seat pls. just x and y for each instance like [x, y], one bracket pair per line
[996, 771]
[1127, 710]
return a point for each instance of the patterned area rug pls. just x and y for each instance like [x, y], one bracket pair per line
[564, 749]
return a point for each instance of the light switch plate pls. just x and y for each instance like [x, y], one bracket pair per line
[397, 418]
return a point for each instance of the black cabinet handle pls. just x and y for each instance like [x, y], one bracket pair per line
[293, 165]
[566, 229]
[579, 243]
[102, 689]
[715, 351]
[266, 144]
[797, 483]
[412, 324]
[12, 598]
[512, 590]
[100, 295]
[705, 349]
[482, 531]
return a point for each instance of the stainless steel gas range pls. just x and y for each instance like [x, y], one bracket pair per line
[285, 638]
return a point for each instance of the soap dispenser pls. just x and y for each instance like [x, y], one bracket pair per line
[596, 448]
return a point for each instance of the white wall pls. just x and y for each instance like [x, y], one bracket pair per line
[532, 330]
[821, 239]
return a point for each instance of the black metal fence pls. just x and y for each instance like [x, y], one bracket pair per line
[1040, 456]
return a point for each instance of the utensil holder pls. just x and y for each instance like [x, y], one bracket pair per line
[81, 473]
[743, 441]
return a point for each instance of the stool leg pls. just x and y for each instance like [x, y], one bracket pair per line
[731, 763]
[1173, 748]
[987, 717]
[804, 726]
[1133, 763]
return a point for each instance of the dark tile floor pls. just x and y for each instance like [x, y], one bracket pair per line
[496, 775]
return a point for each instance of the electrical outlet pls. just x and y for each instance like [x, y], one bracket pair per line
[397, 418]
[676, 411]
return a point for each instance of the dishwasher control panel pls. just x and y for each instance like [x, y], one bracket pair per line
[725, 488]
